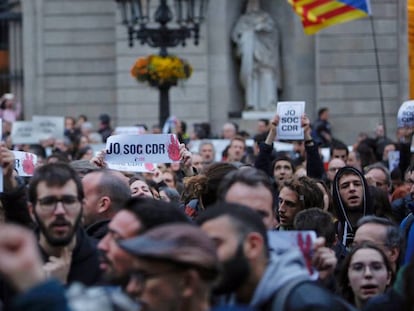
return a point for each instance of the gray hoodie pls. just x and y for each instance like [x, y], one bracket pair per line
[281, 269]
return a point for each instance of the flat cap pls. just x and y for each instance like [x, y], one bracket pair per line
[184, 244]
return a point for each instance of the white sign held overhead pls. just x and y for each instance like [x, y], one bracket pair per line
[290, 114]
[405, 117]
[25, 163]
[23, 132]
[131, 150]
[47, 127]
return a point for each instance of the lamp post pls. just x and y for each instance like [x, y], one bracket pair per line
[136, 16]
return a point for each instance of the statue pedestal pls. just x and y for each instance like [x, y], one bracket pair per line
[256, 115]
[248, 120]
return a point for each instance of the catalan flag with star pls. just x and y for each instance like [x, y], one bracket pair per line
[319, 14]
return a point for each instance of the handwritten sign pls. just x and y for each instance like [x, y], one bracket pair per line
[131, 150]
[25, 163]
[130, 130]
[283, 241]
[290, 114]
[405, 117]
[23, 132]
[47, 127]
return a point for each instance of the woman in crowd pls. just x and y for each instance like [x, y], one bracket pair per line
[140, 188]
[366, 273]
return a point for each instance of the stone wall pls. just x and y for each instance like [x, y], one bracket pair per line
[347, 72]
[77, 61]
[69, 57]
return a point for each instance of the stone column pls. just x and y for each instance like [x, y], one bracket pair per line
[225, 94]
[32, 11]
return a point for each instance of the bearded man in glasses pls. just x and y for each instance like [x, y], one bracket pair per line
[55, 198]
[56, 203]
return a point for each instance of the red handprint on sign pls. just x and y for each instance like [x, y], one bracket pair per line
[149, 166]
[28, 165]
[306, 249]
[174, 148]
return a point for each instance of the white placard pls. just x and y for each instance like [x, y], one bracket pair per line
[283, 241]
[130, 130]
[130, 150]
[23, 132]
[47, 127]
[290, 114]
[405, 117]
[25, 163]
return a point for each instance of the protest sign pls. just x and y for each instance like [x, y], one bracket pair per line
[23, 132]
[405, 117]
[393, 159]
[131, 150]
[25, 163]
[130, 130]
[47, 127]
[283, 241]
[290, 114]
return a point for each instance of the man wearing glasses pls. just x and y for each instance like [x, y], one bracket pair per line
[56, 203]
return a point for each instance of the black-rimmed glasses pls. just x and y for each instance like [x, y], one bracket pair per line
[48, 204]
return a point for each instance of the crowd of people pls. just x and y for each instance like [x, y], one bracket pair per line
[195, 235]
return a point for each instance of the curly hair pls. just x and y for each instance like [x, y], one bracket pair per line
[204, 186]
[308, 191]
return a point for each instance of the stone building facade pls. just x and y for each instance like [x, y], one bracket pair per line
[77, 61]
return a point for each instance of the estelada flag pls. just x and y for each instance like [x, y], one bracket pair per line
[319, 14]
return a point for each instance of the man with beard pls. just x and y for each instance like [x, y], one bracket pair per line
[352, 201]
[253, 274]
[56, 202]
[172, 267]
[137, 216]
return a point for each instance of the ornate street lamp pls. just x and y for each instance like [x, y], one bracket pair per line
[136, 16]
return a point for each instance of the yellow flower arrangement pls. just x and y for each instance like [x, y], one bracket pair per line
[159, 70]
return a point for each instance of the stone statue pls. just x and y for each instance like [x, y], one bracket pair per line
[257, 38]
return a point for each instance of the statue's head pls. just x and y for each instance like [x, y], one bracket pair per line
[252, 6]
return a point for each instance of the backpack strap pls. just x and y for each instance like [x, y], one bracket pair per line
[283, 293]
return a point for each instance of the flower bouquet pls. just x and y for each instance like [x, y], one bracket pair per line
[161, 71]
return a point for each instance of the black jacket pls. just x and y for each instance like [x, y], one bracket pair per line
[389, 301]
[309, 296]
[84, 267]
